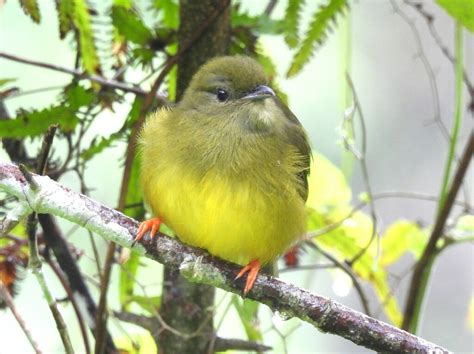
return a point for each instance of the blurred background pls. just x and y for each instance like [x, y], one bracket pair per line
[406, 152]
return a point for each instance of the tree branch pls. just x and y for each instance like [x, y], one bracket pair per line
[198, 266]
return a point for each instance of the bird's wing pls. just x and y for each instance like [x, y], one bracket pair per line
[298, 138]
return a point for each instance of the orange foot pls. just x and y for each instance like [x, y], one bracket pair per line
[252, 268]
[152, 225]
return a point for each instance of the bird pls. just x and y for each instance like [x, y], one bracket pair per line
[226, 168]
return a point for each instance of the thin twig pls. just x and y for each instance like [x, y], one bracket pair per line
[82, 76]
[429, 70]
[270, 7]
[365, 173]
[346, 269]
[74, 303]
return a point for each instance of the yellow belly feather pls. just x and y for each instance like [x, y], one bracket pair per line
[232, 218]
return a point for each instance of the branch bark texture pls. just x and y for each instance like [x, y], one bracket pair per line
[198, 266]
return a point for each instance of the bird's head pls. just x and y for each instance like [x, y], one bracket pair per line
[235, 87]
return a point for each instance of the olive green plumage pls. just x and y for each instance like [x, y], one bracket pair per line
[227, 167]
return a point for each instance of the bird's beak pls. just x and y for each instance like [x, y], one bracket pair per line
[260, 92]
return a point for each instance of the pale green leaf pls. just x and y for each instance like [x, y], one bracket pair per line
[460, 10]
[328, 187]
[364, 197]
[401, 237]
[464, 228]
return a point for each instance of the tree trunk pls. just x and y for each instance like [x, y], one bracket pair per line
[188, 307]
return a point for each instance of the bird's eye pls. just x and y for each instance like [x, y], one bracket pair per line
[222, 95]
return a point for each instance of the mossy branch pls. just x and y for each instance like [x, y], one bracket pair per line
[198, 266]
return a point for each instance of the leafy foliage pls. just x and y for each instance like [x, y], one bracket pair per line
[65, 10]
[461, 10]
[33, 123]
[293, 18]
[75, 14]
[316, 34]
[31, 8]
[329, 204]
[170, 11]
[130, 25]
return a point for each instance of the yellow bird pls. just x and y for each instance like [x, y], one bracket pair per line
[227, 167]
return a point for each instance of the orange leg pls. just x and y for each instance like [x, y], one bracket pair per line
[252, 268]
[152, 225]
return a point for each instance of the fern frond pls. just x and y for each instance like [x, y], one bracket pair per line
[292, 21]
[65, 9]
[316, 34]
[82, 21]
[30, 8]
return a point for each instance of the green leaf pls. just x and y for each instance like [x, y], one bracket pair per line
[34, 123]
[77, 96]
[401, 237]
[130, 25]
[247, 311]
[30, 7]
[316, 34]
[4, 82]
[328, 189]
[82, 21]
[460, 10]
[292, 21]
[128, 273]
